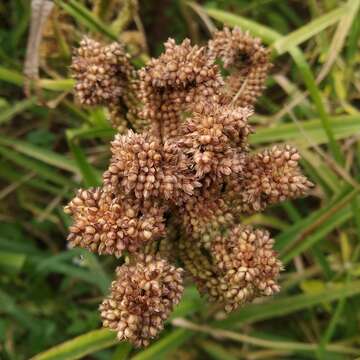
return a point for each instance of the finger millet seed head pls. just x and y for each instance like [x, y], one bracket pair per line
[180, 177]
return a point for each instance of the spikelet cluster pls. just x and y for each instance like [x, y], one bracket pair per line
[171, 85]
[247, 263]
[100, 72]
[142, 297]
[237, 267]
[109, 224]
[178, 181]
[214, 137]
[104, 76]
[248, 60]
[269, 177]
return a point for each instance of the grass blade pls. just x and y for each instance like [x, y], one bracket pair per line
[163, 346]
[15, 109]
[288, 305]
[80, 346]
[91, 176]
[36, 152]
[307, 31]
[267, 35]
[342, 126]
[57, 84]
[10, 262]
[11, 76]
[86, 17]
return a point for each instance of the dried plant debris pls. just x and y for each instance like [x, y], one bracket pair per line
[40, 11]
[188, 168]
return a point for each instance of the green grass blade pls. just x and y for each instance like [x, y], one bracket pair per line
[80, 346]
[267, 35]
[57, 84]
[309, 30]
[15, 109]
[165, 345]
[320, 171]
[38, 167]
[62, 264]
[11, 76]
[36, 152]
[298, 230]
[86, 17]
[10, 174]
[216, 351]
[305, 241]
[92, 133]
[16, 78]
[316, 95]
[9, 306]
[344, 28]
[326, 337]
[11, 263]
[122, 351]
[342, 126]
[284, 306]
[91, 176]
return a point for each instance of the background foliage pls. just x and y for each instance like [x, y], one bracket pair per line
[49, 147]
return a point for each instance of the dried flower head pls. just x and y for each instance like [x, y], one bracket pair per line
[190, 172]
[249, 61]
[109, 224]
[248, 265]
[237, 267]
[100, 71]
[135, 165]
[173, 83]
[141, 299]
[269, 177]
[144, 168]
[215, 137]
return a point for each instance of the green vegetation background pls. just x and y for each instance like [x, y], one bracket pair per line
[49, 146]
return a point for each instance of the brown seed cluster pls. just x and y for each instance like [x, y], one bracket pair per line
[142, 298]
[237, 266]
[104, 76]
[100, 72]
[144, 168]
[173, 193]
[171, 85]
[248, 60]
[269, 177]
[109, 224]
[247, 263]
[215, 137]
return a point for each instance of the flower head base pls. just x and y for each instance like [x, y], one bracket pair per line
[190, 171]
